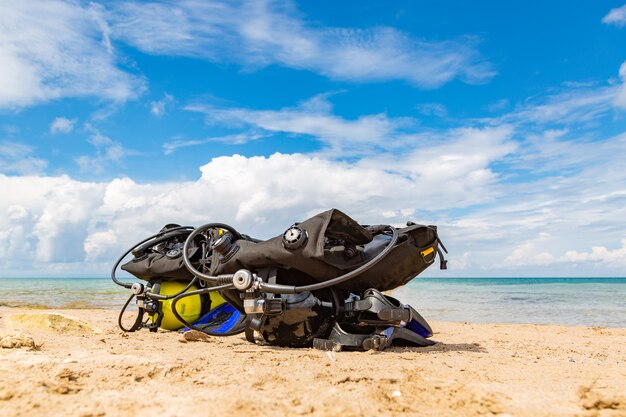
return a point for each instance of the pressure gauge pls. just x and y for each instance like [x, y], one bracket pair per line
[294, 238]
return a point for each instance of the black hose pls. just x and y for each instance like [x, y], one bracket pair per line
[217, 279]
[286, 289]
[236, 330]
[117, 263]
[190, 267]
[169, 297]
[137, 323]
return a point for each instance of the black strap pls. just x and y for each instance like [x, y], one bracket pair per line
[395, 314]
[249, 331]
[358, 305]
[338, 340]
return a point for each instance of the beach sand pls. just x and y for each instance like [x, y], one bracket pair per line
[93, 369]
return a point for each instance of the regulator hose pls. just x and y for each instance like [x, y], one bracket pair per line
[238, 328]
[210, 278]
[137, 323]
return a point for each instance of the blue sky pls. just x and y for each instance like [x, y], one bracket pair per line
[504, 123]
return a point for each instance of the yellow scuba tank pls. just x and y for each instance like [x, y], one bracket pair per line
[189, 308]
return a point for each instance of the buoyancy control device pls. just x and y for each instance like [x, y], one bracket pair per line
[320, 283]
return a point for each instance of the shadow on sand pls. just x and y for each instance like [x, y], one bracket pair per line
[441, 347]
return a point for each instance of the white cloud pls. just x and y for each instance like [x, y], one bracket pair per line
[616, 17]
[17, 158]
[61, 226]
[576, 201]
[236, 139]
[62, 125]
[158, 108]
[620, 98]
[570, 106]
[314, 118]
[53, 49]
[432, 109]
[599, 254]
[108, 152]
[260, 33]
[529, 253]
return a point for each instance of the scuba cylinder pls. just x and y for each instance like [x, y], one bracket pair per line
[190, 309]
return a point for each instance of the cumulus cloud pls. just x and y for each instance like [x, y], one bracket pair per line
[599, 254]
[53, 49]
[62, 125]
[531, 254]
[616, 17]
[67, 221]
[261, 33]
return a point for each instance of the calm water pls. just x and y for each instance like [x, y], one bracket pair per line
[61, 293]
[568, 301]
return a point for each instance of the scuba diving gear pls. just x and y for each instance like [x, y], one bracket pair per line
[317, 284]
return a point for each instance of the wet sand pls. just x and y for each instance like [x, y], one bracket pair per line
[476, 369]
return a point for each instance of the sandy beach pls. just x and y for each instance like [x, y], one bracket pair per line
[90, 368]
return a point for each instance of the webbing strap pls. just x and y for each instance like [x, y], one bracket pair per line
[443, 263]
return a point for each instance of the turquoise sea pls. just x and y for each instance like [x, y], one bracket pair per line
[567, 301]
